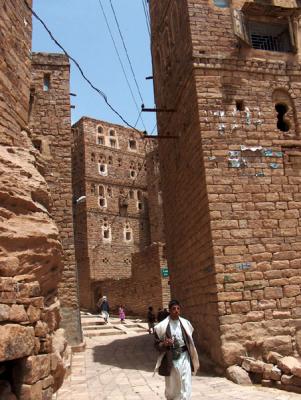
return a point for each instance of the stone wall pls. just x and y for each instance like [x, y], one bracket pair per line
[15, 44]
[231, 180]
[50, 122]
[32, 347]
[146, 286]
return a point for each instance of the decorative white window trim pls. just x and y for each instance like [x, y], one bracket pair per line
[103, 171]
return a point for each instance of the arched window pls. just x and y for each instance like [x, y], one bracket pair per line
[112, 132]
[285, 112]
[100, 129]
[128, 233]
[106, 232]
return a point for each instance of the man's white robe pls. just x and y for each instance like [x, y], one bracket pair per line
[178, 384]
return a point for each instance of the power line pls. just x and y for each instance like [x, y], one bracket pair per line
[100, 92]
[119, 58]
[146, 17]
[126, 51]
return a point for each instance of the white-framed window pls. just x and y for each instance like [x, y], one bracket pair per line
[128, 233]
[102, 169]
[112, 132]
[133, 174]
[100, 129]
[106, 232]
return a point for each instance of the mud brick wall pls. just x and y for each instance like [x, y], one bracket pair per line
[15, 44]
[231, 180]
[146, 286]
[50, 122]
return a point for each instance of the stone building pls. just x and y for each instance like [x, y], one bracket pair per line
[32, 346]
[111, 214]
[228, 73]
[50, 124]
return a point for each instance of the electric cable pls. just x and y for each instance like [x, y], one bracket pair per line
[146, 17]
[126, 51]
[119, 58]
[100, 92]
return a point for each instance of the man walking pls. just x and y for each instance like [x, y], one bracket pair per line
[104, 308]
[178, 356]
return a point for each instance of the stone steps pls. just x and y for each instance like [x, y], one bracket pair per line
[107, 332]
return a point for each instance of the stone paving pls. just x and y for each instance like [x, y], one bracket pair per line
[121, 368]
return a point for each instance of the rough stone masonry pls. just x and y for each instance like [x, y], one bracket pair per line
[32, 347]
[228, 78]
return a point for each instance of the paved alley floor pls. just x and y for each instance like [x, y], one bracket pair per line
[120, 368]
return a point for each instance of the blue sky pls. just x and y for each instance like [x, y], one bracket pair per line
[80, 27]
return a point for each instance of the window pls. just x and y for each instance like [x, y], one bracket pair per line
[106, 231]
[240, 105]
[92, 157]
[112, 132]
[46, 82]
[267, 36]
[132, 173]
[221, 3]
[100, 140]
[113, 143]
[101, 190]
[139, 205]
[282, 124]
[275, 33]
[100, 129]
[102, 202]
[132, 144]
[103, 169]
[128, 233]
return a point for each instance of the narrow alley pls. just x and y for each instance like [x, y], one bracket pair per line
[119, 366]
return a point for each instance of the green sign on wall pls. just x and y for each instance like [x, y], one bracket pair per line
[164, 272]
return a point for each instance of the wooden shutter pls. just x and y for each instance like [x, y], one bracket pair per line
[239, 26]
[293, 30]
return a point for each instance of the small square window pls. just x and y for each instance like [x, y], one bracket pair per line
[128, 236]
